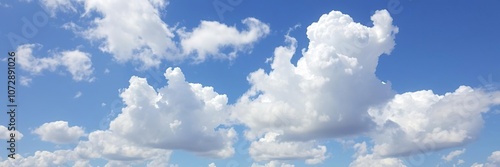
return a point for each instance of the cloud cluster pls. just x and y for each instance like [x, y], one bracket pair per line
[135, 32]
[419, 122]
[332, 92]
[76, 62]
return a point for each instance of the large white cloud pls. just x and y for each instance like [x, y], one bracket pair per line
[131, 31]
[180, 115]
[270, 148]
[419, 122]
[211, 36]
[330, 89]
[76, 62]
[59, 132]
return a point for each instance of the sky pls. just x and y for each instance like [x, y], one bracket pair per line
[239, 83]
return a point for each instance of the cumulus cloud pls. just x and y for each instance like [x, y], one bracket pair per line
[493, 160]
[76, 62]
[419, 122]
[329, 90]
[59, 132]
[151, 42]
[453, 154]
[333, 92]
[5, 133]
[44, 159]
[142, 35]
[180, 115]
[212, 165]
[273, 164]
[211, 36]
[270, 148]
[363, 158]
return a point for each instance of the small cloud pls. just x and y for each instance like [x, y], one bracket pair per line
[25, 81]
[106, 71]
[59, 132]
[103, 104]
[78, 94]
[452, 155]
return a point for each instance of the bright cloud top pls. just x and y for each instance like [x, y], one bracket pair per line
[323, 96]
[180, 115]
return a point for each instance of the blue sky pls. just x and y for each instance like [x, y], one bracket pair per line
[254, 83]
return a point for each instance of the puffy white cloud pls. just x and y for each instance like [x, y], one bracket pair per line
[211, 36]
[273, 164]
[32, 64]
[453, 154]
[270, 148]
[180, 115]
[59, 132]
[330, 89]
[212, 165]
[76, 62]
[145, 39]
[419, 122]
[5, 133]
[131, 31]
[43, 159]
